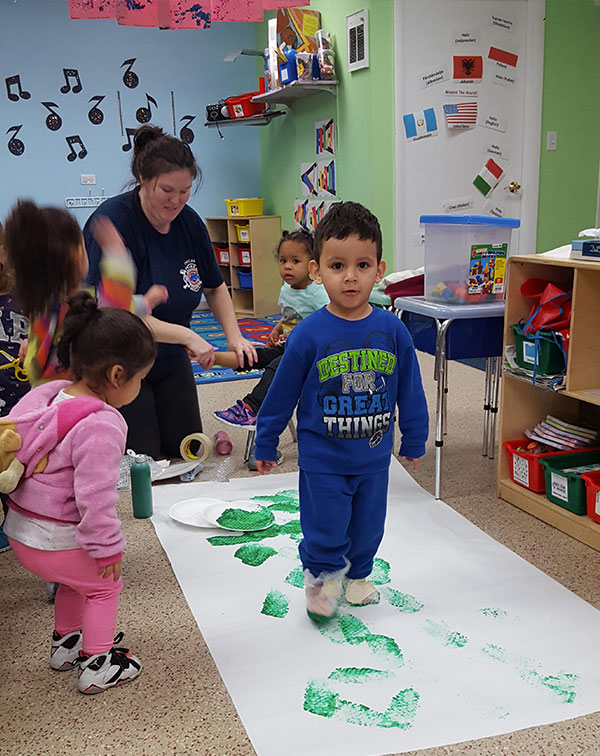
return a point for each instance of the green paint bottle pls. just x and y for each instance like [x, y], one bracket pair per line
[141, 490]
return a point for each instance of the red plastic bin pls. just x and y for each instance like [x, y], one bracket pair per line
[525, 468]
[222, 255]
[242, 107]
[592, 494]
[244, 256]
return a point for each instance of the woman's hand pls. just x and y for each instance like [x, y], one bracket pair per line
[113, 569]
[200, 350]
[156, 295]
[241, 347]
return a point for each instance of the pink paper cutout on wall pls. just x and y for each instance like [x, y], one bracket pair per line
[92, 9]
[189, 14]
[237, 10]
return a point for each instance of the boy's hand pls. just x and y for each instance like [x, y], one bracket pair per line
[156, 295]
[263, 466]
[274, 336]
[107, 235]
[113, 569]
[414, 460]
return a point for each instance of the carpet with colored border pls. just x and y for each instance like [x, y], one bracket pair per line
[206, 325]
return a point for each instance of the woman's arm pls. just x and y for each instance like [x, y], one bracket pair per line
[221, 306]
[170, 333]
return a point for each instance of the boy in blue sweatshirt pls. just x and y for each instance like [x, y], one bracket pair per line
[347, 367]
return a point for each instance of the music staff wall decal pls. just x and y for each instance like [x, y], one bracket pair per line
[186, 134]
[15, 81]
[95, 115]
[71, 73]
[73, 155]
[130, 78]
[15, 146]
[143, 115]
[53, 120]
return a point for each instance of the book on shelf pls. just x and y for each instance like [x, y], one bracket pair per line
[570, 427]
[562, 435]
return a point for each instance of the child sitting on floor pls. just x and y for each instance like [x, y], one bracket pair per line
[299, 297]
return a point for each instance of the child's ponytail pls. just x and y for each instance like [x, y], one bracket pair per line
[96, 338]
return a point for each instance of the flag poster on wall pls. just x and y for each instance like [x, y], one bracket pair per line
[420, 125]
[461, 115]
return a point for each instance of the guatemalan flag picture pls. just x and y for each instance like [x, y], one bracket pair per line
[421, 124]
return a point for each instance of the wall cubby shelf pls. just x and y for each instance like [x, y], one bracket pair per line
[295, 90]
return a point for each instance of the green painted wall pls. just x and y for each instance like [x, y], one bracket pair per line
[571, 106]
[364, 117]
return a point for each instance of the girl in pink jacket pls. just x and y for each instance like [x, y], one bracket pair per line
[62, 522]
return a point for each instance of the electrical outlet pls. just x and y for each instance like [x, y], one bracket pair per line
[88, 178]
[551, 140]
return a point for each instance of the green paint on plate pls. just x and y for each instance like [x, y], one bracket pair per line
[250, 537]
[358, 674]
[296, 578]
[275, 604]
[381, 572]
[241, 519]
[404, 602]
[255, 554]
[442, 632]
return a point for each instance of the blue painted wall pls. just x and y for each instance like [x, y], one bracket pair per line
[38, 40]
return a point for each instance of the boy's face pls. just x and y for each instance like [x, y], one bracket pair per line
[348, 269]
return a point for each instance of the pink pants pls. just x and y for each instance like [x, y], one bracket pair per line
[84, 601]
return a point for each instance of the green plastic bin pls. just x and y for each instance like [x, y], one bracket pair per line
[550, 358]
[564, 487]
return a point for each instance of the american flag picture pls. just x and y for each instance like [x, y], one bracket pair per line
[460, 114]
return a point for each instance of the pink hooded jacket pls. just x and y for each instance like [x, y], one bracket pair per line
[84, 439]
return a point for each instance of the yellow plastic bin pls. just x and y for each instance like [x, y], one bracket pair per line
[248, 206]
[242, 232]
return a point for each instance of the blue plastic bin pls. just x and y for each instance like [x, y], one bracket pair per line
[245, 279]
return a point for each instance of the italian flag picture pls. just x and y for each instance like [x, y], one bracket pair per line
[488, 177]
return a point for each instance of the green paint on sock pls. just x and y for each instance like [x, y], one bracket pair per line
[283, 501]
[255, 554]
[441, 631]
[381, 572]
[240, 519]
[250, 537]
[358, 674]
[404, 602]
[494, 613]
[296, 578]
[275, 604]
[319, 699]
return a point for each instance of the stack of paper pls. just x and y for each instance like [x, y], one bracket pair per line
[562, 435]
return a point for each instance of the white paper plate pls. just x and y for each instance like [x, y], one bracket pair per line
[191, 511]
[214, 512]
[175, 469]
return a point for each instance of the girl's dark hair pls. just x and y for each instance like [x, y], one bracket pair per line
[302, 236]
[40, 242]
[344, 219]
[155, 153]
[7, 281]
[96, 338]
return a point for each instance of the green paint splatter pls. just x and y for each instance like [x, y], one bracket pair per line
[254, 555]
[494, 613]
[292, 527]
[251, 537]
[441, 631]
[283, 501]
[349, 629]
[404, 602]
[562, 684]
[381, 572]
[319, 699]
[241, 519]
[358, 674]
[494, 652]
[275, 604]
[296, 578]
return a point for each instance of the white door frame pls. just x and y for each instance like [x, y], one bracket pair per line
[532, 125]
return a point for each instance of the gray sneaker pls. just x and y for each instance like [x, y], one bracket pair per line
[252, 460]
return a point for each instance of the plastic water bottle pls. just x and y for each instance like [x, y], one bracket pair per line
[223, 443]
[141, 490]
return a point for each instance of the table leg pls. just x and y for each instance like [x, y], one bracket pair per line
[486, 404]
[442, 328]
[497, 371]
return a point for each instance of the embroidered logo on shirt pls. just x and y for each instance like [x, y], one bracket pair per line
[191, 278]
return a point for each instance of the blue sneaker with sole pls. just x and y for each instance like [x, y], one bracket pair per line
[239, 416]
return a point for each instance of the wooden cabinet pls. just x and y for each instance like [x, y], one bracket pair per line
[249, 267]
[522, 405]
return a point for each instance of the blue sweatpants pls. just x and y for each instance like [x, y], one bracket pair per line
[342, 517]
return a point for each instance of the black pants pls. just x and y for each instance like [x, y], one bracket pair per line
[268, 358]
[165, 411]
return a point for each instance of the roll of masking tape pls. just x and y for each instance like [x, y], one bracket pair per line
[205, 447]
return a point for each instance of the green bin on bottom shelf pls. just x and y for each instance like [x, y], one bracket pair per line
[567, 489]
[550, 358]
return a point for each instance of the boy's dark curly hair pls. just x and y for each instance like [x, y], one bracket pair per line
[345, 219]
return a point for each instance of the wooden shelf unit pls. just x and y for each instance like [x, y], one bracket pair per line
[523, 406]
[265, 232]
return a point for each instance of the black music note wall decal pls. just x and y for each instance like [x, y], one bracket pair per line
[130, 133]
[186, 134]
[71, 73]
[73, 155]
[95, 115]
[143, 115]
[53, 121]
[12, 81]
[130, 78]
[15, 146]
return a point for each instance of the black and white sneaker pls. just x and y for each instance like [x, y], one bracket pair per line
[64, 651]
[99, 672]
